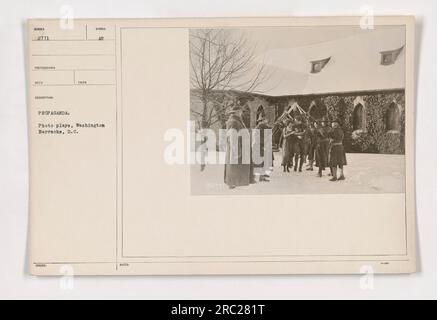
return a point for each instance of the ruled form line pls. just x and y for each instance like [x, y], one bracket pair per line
[99, 40]
[72, 55]
[38, 70]
[73, 85]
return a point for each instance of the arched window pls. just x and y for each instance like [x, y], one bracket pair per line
[246, 116]
[260, 112]
[294, 110]
[358, 121]
[392, 118]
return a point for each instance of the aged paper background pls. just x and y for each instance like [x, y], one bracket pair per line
[105, 202]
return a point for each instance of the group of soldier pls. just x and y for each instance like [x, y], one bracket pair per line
[314, 142]
[303, 140]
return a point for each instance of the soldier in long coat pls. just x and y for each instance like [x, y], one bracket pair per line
[299, 131]
[262, 125]
[287, 146]
[328, 130]
[322, 147]
[237, 172]
[311, 138]
[337, 155]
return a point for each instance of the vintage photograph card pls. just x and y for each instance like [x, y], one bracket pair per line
[222, 146]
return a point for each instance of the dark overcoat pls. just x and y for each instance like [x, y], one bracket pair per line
[337, 155]
[287, 148]
[322, 148]
[299, 139]
[261, 145]
[236, 174]
[312, 140]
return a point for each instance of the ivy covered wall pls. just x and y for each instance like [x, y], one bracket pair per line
[375, 132]
[373, 122]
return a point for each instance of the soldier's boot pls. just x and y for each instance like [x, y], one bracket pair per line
[301, 161]
[334, 174]
[264, 178]
[341, 175]
[319, 174]
[296, 161]
[285, 167]
[309, 164]
[310, 168]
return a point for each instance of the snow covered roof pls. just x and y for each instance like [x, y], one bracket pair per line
[354, 65]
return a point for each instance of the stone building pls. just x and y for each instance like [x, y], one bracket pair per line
[358, 79]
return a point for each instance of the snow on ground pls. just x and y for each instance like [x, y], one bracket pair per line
[365, 173]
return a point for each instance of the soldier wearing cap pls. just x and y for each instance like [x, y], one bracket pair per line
[237, 172]
[327, 127]
[322, 146]
[287, 146]
[337, 155]
[262, 125]
[312, 142]
[298, 149]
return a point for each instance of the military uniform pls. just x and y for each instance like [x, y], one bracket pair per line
[262, 147]
[287, 149]
[337, 156]
[264, 168]
[312, 142]
[322, 148]
[236, 174]
[298, 145]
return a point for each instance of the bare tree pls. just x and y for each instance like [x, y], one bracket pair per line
[221, 60]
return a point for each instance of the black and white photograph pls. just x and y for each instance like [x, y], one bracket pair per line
[218, 156]
[314, 110]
